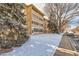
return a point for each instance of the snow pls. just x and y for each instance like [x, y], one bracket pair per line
[37, 45]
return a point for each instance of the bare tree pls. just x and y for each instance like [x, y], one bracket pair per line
[61, 13]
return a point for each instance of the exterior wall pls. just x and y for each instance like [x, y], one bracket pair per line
[28, 11]
[35, 20]
[45, 26]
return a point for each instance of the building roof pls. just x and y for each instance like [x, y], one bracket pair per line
[75, 29]
[36, 9]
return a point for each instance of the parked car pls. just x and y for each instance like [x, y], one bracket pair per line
[70, 34]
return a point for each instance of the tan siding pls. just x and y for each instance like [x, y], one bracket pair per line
[41, 23]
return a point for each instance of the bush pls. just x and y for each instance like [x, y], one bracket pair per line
[13, 31]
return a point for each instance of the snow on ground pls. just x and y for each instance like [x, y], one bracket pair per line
[37, 45]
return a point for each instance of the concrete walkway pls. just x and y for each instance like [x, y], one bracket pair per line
[37, 45]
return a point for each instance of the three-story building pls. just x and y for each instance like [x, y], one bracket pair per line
[35, 20]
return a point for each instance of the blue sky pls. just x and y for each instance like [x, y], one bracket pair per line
[74, 22]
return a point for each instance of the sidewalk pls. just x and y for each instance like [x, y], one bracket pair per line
[37, 45]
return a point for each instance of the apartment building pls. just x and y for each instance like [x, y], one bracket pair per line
[76, 30]
[36, 22]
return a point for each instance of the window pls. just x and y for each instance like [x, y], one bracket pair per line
[35, 23]
[40, 18]
[36, 30]
[34, 16]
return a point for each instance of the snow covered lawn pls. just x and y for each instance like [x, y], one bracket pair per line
[37, 45]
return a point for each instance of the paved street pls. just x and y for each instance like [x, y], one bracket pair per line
[66, 47]
[76, 42]
[37, 45]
